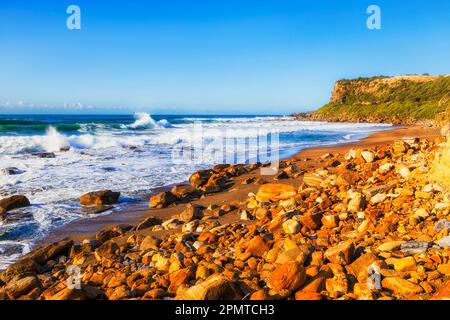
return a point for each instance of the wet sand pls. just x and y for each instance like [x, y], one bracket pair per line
[306, 159]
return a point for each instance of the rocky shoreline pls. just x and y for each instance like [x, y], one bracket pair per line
[367, 223]
[352, 118]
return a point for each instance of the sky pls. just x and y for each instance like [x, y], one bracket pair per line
[208, 56]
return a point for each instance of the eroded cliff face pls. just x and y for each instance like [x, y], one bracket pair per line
[400, 100]
[373, 88]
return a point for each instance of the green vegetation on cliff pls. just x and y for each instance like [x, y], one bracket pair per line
[396, 99]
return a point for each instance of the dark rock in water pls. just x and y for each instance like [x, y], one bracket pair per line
[17, 216]
[95, 209]
[100, 198]
[109, 169]
[11, 171]
[45, 155]
[9, 249]
[11, 203]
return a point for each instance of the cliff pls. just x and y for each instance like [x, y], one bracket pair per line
[400, 100]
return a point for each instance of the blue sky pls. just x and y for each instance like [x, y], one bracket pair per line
[208, 56]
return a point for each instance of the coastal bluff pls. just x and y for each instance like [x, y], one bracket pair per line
[407, 99]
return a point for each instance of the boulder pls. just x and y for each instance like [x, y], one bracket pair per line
[162, 200]
[275, 192]
[402, 264]
[291, 226]
[287, 278]
[378, 198]
[368, 156]
[345, 176]
[148, 223]
[200, 178]
[401, 286]
[191, 212]
[216, 287]
[330, 221]
[21, 286]
[107, 253]
[69, 294]
[299, 254]
[99, 198]
[361, 265]
[443, 293]
[217, 182]
[51, 251]
[112, 232]
[179, 278]
[11, 203]
[183, 191]
[341, 254]
[150, 242]
[23, 267]
[11, 171]
[356, 203]
[257, 247]
[44, 155]
[313, 180]
[311, 220]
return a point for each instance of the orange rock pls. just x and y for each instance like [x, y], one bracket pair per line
[341, 254]
[316, 285]
[259, 295]
[162, 200]
[443, 293]
[287, 278]
[216, 287]
[345, 176]
[208, 237]
[361, 264]
[312, 179]
[330, 221]
[307, 295]
[401, 286]
[311, 220]
[12, 203]
[275, 192]
[153, 294]
[178, 278]
[444, 269]
[257, 247]
[99, 198]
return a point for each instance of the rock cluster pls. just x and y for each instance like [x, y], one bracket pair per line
[201, 183]
[366, 225]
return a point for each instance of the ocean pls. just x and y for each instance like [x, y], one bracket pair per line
[133, 154]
